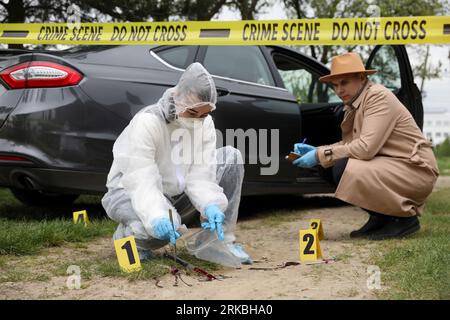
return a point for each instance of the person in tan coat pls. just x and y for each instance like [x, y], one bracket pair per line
[383, 163]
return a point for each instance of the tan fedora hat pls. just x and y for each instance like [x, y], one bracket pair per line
[346, 63]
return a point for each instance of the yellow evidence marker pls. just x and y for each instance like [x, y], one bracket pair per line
[81, 216]
[317, 225]
[309, 245]
[127, 254]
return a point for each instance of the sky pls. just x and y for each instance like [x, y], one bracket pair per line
[437, 94]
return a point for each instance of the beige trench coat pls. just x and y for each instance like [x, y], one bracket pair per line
[391, 167]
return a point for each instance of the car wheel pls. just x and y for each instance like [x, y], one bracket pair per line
[43, 199]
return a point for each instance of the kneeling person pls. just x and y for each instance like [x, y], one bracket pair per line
[383, 163]
[148, 177]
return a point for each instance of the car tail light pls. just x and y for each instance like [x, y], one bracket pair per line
[13, 158]
[38, 74]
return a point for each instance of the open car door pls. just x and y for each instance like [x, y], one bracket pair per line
[395, 73]
[322, 111]
[320, 108]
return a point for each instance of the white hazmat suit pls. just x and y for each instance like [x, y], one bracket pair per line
[164, 162]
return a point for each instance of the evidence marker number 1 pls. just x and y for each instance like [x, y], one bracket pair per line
[127, 254]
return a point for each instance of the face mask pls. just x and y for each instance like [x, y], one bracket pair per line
[189, 123]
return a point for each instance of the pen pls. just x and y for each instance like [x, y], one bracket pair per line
[304, 140]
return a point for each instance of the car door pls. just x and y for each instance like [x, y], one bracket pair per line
[321, 109]
[255, 108]
[395, 73]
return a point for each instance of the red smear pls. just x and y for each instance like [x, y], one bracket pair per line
[208, 275]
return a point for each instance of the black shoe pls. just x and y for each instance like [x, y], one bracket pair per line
[375, 222]
[396, 228]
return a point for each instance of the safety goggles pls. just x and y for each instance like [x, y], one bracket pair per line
[192, 108]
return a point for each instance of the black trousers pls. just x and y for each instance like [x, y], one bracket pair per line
[338, 171]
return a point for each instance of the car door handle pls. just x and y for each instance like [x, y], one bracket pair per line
[222, 91]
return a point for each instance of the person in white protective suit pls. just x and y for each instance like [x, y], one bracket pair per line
[166, 159]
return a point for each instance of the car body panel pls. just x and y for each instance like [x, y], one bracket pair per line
[67, 133]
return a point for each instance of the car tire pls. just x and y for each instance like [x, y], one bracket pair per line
[43, 199]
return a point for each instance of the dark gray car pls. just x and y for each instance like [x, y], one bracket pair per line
[61, 111]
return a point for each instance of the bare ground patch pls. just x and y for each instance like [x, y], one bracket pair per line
[270, 236]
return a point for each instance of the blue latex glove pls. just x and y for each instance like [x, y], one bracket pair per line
[215, 220]
[308, 160]
[163, 230]
[303, 148]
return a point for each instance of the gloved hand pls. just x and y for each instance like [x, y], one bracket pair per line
[303, 148]
[215, 220]
[163, 230]
[308, 160]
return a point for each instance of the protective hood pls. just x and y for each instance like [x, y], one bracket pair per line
[195, 86]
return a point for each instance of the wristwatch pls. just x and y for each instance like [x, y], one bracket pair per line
[328, 152]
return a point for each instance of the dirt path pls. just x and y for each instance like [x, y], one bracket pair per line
[268, 229]
[265, 235]
[442, 182]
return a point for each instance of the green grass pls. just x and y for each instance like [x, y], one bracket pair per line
[13, 209]
[151, 269]
[419, 267]
[438, 204]
[15, 276]
[2, 261]
[27, 230]
[25, 237]
[444, 165]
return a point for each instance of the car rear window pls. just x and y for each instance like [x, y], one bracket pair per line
[238, 62]
[179, 57]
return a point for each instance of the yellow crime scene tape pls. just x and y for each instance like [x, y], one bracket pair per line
[373, 30]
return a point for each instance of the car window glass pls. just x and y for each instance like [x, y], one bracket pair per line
[238, 62]
[386, 62]
[179, 57]
[303, 83]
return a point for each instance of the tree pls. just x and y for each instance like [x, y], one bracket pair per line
[301, 9]
[22, 11]
[426, 70]
[160, 10]
[443, 149]
[200, 10]
[248, 8]
[131, 10]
